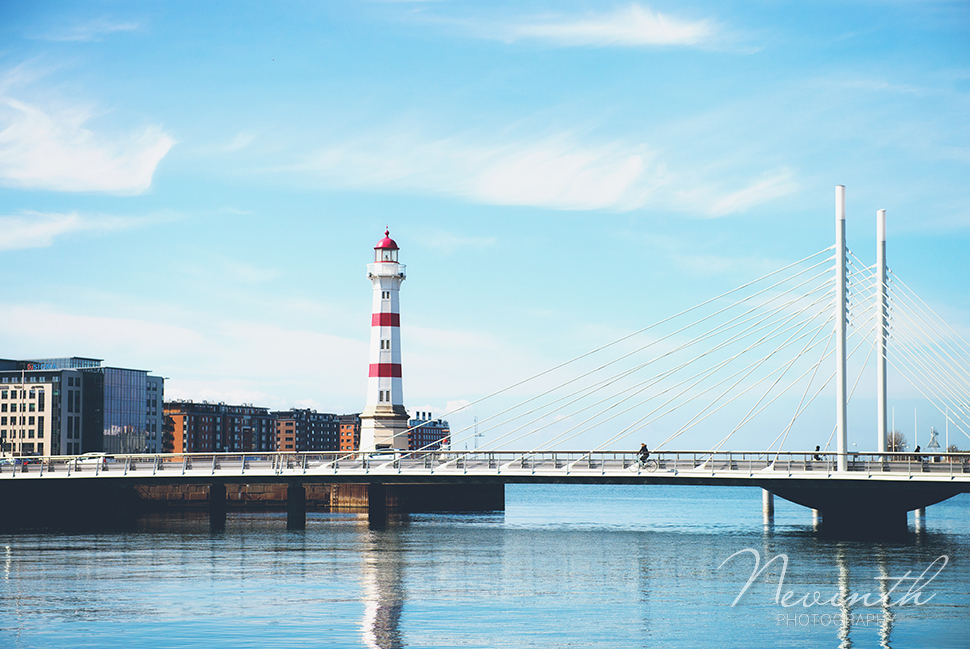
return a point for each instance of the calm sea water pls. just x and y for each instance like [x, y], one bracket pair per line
[564, 566]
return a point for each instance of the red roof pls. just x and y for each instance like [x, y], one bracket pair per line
[386, 242]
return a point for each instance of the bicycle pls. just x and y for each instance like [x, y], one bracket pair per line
[649, 464]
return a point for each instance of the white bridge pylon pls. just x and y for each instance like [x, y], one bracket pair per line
[763, 358]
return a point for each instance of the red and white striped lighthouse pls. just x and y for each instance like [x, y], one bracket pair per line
[384, 421]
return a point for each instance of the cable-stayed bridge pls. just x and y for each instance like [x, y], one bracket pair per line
[772, 365]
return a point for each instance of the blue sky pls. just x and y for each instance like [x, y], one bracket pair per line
[195, 188]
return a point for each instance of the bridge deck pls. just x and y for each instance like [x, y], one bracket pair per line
[685, 467]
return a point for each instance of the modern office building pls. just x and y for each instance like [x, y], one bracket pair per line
[68, 406]
[218, 428]
[428, 434]
[307, 430]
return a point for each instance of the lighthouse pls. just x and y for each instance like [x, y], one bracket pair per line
[384, 421]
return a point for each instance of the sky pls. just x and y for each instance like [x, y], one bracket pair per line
[195, 189]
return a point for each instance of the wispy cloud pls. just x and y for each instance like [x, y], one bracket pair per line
[39, 230]
[55, 151]
[448, 243]
[93, 30]
[632, 26]
[558, 172]
[767, 188]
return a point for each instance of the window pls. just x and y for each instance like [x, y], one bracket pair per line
[3, 421]
[3, 395]
[3, 407]
[33, 407]
[30, 422]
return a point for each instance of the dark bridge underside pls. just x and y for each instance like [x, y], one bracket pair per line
[849, 507]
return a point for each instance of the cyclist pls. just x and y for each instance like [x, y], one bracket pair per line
[643, 454]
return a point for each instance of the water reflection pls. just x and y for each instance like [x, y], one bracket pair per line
[845, 629]
[382, 578]
[886, 625]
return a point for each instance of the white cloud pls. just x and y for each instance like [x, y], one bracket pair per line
[210, 358]
[93, 30]
[558, 172]
[449, 243]
[39, 230]
[554, 172]
[55, 151]
[633, 26]
[767, 188]
[241, 141]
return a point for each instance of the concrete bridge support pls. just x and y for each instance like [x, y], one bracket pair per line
[376, 504]
[295, 506]
[854, 509]
[767, 506]
[217, 507]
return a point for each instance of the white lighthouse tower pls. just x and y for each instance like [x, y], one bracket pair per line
[384, 421]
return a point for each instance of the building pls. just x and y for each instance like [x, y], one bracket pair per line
[69, 406]
[349, 432]
[428, 434]
[306, 430]
[384, 419]
[218, 428]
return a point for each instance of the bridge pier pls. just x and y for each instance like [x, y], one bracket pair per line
[376, 504]
[919, 517]
[767, 506]
[852, 509]
[217, 507]
[295, 506]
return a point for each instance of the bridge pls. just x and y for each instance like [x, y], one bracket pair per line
[749, 362]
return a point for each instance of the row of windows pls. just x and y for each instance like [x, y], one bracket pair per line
[24, 407]
[33, 379]
[24, 434]
[24, 394]
[26, 448]
[24, 421]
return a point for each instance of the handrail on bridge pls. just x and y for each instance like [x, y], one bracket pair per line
[568, 462]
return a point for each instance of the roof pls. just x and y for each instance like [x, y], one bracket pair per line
[386, 242]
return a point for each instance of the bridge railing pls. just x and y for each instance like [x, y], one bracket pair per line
[568, 462]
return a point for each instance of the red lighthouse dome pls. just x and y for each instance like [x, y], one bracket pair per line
[386, 249]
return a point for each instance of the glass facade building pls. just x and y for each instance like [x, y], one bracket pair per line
[125, 426]
[88, 408]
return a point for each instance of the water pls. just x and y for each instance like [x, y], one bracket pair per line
[564, 566]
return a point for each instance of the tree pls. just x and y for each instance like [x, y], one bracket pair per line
[896, 442]
[952, 448]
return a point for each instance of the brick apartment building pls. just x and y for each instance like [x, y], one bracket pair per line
[218, 427]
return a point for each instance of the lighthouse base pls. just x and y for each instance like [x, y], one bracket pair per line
[383, 428]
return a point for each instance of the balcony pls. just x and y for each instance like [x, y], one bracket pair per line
[386, 269]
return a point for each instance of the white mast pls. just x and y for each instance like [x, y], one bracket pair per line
[882, 331]
[840, 322]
